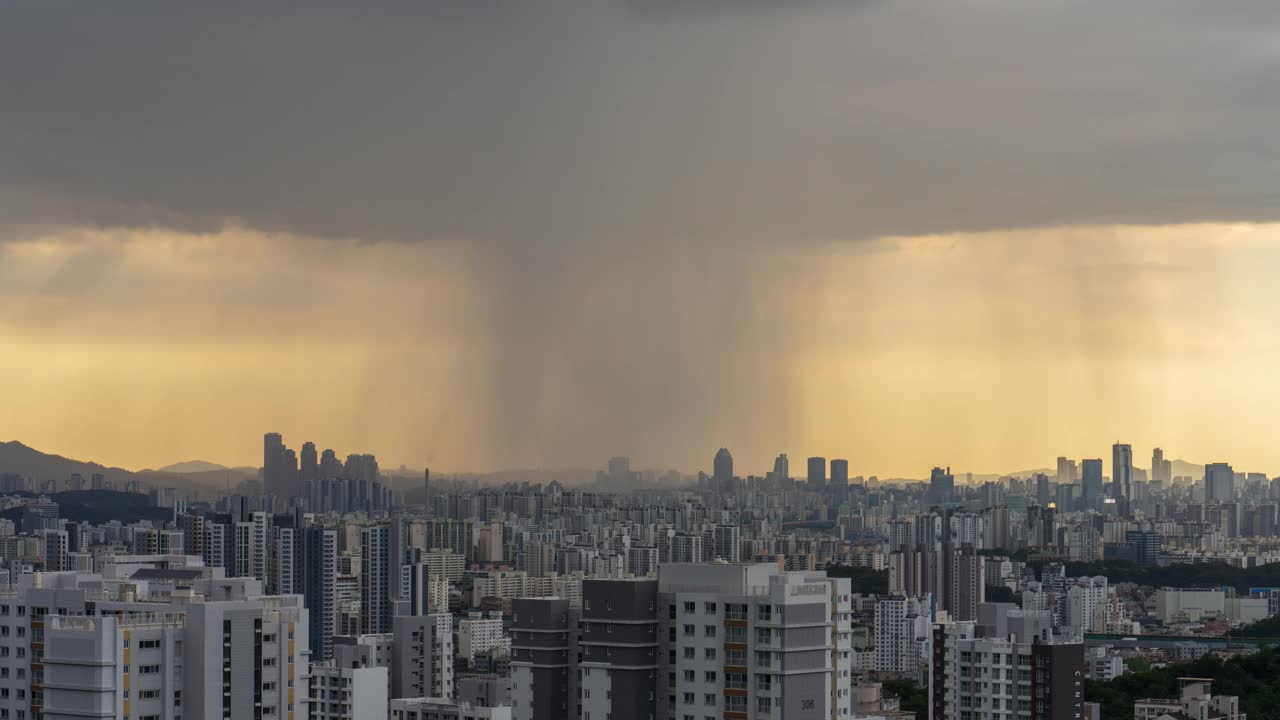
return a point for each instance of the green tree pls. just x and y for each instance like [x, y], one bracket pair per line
[1254, 678]
[911, 697]
[862, 579]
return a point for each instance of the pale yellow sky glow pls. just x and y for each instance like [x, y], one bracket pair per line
[988, 352]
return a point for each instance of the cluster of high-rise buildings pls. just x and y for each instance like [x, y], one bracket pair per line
[717, 596]
[321, 483]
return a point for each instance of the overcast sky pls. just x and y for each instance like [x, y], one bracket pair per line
[492, 233]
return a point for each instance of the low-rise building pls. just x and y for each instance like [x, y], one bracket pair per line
[1194, 701]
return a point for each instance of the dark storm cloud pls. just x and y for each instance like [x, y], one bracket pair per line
[685, 9]
[575, 122]
[565, 139]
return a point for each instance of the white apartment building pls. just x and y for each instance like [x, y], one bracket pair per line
[241, 655]
[480, 633]
[728, 543]
[1194, 701]
[903, 628]
[511, 584]
[642, 560]
[687, 549]
[111, 667]
[755, 640]
[445, 564]
[215, 649]
[1025, 673]
[1086, 608]
[348, 693]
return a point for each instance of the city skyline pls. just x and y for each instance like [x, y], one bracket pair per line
[309, 465]
[639, 360]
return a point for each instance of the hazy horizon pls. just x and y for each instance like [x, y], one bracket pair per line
[922, 474]
[496, 234]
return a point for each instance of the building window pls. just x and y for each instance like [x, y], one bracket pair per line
[690, 607]
[709, 608]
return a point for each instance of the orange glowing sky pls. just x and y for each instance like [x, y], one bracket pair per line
[988, 352]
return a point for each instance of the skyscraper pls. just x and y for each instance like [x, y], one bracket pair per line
[375, 564]
[781, 468]
[309, 474]
[722, 469]
[1157, 462]
[1219, 482]
[1068, 472]
[1121, 471]
[620, 475]
[1091, 481]
[839, 472]
[320, 556]
[290, 484]
[817, 471]
[273, 464]
[942, 486]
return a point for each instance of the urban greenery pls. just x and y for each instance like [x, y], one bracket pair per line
[911, 697]
[1001, 594]
[863, 579]
[100, 506]
[1268, 628]
[1254, 677]
[1181, 574]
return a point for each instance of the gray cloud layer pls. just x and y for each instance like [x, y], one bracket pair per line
[669, 138]
[586, 121]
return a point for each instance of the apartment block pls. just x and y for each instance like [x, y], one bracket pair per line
[743, 641]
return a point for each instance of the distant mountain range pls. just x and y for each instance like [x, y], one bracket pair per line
[192, 466]
[18, 459]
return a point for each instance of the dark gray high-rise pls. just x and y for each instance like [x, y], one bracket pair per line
[618, 645]
[309, 474]
[542, 659]
[273, 464]
[839, 472]
[942, 486]
[817, 471]
[722, 469]
[1091, 481]
[1219, 482]
[320, 557]
[1121, 471]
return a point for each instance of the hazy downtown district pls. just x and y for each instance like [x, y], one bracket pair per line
[639, 360]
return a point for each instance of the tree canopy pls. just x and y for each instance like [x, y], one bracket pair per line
[1254, 677]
